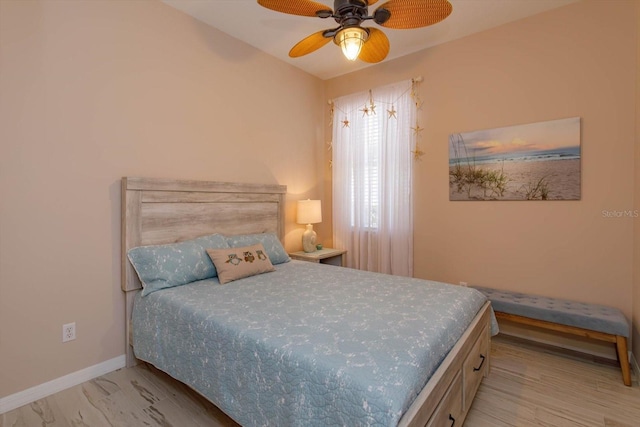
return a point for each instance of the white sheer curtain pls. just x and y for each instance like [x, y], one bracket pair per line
[373, 138]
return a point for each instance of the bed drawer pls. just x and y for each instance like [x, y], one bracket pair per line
[450, 407]
[474, 367]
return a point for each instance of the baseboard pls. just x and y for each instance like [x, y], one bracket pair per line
[634, 365]
[43, 390]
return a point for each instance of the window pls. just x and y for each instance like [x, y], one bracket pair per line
[365, 181]
[372, 178]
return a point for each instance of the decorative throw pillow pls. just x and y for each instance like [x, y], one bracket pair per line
[175, 264]
[236, 263]
[271, 243]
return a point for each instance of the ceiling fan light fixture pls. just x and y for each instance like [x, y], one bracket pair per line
[351, 41]
[349, 14]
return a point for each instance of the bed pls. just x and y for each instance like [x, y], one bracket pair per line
[304, 344]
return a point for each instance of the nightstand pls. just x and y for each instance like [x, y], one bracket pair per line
[323, 256]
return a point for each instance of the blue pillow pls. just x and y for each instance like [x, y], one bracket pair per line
[271, 243]
[175, 264]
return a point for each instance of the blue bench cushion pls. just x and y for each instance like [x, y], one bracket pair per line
[587, 316]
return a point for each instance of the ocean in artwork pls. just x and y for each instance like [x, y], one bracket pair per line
[537, 161]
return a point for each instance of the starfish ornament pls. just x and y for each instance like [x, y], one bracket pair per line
[417, 153]
[392, 112]
[331, 111]
[372, 106]
[345, 123]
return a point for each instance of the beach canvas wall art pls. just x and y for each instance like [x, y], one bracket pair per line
[537, 161]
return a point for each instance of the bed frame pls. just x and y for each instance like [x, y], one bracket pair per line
[158, 211]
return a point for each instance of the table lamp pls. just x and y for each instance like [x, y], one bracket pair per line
[309, 212]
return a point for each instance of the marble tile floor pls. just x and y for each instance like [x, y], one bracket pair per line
[529, 385]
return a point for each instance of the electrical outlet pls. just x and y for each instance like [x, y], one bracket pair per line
[69, 332]
[463, 284]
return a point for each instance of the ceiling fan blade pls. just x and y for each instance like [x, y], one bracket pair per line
[376, 47]
[309, 44]
[415, 14]
[296, 7]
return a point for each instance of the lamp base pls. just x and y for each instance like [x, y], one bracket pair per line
[309, 239]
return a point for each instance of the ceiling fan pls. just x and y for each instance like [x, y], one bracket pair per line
[366, 43]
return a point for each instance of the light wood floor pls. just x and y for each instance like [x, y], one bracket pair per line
[528, 386]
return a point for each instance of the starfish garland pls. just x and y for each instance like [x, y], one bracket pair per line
[369, 108]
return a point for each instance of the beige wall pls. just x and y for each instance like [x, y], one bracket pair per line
[578, 60]
[636, 223]
[95, 90]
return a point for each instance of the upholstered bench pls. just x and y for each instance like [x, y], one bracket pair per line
[587, 320]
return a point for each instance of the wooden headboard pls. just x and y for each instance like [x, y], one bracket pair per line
[157, 211]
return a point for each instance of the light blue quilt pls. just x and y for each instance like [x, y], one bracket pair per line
[307, 344]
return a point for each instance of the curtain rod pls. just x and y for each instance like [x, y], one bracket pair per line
[418, 79]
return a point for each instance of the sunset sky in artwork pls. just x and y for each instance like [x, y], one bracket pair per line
[540, 136]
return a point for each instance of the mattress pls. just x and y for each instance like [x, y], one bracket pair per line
[308, 344]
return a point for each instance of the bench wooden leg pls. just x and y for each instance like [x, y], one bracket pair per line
[623, 357]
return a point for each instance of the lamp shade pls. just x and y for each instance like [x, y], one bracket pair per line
[309, 212]
[351, 41]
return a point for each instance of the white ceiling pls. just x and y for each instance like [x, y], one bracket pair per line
[276, 33]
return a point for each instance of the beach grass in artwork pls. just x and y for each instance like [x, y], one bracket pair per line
[538, 161]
